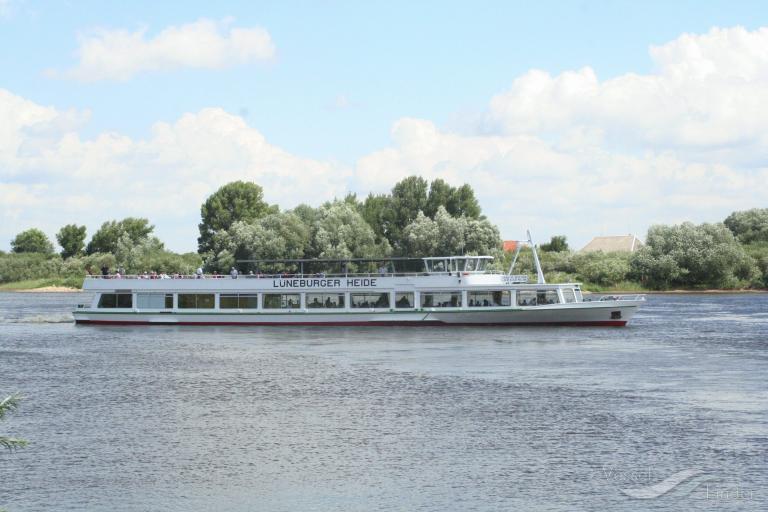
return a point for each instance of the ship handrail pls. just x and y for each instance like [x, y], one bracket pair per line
[289, 275]
[615, 297]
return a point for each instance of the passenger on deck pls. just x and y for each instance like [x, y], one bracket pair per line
[199, 273]
[233, 273]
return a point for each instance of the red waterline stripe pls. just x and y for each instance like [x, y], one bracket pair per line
[426, 323]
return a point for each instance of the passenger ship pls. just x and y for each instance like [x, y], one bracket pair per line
[451, 290]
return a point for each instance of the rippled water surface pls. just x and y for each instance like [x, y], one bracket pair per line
[346, 419]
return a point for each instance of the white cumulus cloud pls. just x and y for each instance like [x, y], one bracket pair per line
[709, 97]
[118, 54]
[61, 177]
[581, 156]
[567, 154]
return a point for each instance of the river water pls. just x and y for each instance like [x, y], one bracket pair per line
[347, 419]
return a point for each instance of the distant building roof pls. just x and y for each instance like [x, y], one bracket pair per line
[510, 245]
[624, 243]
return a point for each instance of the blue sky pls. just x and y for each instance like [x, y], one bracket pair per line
[351, 88]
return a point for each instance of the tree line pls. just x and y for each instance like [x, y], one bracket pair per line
[416, 218]
[726, 255]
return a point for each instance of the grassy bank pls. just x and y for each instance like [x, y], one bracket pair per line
[634, 287]
[31, 284]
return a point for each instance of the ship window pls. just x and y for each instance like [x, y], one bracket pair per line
[196, 300]
[569, 295]
[498, 298]
[115, 300]
[404, 300]
[282, 301]
[436, 266]
[239, 301]
[526, 298]
[369, 300]
[547, 297]
[325, 300]
[154, 300]
[579, 296]
[440, 299]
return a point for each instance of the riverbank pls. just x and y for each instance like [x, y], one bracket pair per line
[47, 285]
[677, 292]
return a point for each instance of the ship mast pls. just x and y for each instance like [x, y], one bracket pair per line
[539, 273]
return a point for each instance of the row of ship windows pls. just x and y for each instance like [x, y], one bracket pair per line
[401, 300]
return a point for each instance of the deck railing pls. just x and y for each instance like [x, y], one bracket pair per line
[604, 298]
[289, 275]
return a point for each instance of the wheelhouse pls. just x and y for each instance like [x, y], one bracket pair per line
[468, 264]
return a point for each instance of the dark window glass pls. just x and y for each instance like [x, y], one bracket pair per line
[440, 299]
[108, 300]
[325, 300]
[228, 302]
[282, 300]
[369, 300]
[206, 301]
[169, 301]
[404, 300]
[124, 300]
[248, 301]
[187, 301]
[196, 300]
[526, 298]
[544, 297]
[484, 299]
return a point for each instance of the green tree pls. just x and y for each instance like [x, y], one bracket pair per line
[556, 244]
[106, 239]
[420, 237]
[440, 194]
[71, 238]
[459, 202]
[692, 255]
[409, 197]
[605, 269]
[464, 203]
[340, 231]
[32, 240]
[378, 212]
[446, 235]
[235, 201]
[7, 405]
[276, 236]
[482, 237]
[749, 225]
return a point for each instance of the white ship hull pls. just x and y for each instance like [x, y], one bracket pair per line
[603, 313]
[455, 297]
